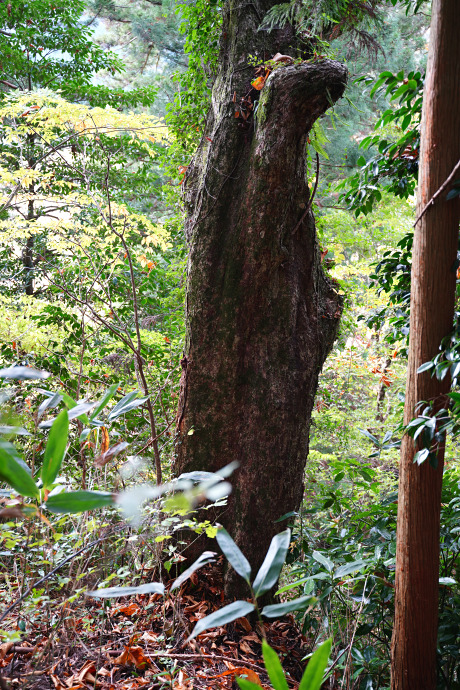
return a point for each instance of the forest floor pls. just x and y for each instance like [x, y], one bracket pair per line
[139, 642]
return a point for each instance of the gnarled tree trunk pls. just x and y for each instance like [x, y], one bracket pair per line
[261, 315]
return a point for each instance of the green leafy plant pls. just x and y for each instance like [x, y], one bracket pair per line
[312, 678]
[265, 579]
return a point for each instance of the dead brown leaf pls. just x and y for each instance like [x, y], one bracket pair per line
[104, 458]
[11, 513]
[132, 656]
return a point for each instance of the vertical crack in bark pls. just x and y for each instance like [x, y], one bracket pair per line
[261, 314]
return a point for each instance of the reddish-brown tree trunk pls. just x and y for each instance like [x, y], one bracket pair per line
[261, 315]
[432, 311]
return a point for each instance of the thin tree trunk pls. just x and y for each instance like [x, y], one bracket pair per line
[261, 315]
[28, 252]
[432, 312]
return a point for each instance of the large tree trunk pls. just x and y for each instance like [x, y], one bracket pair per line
[432, 312]
[261, 315]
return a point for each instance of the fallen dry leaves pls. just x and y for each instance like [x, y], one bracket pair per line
[139, 643]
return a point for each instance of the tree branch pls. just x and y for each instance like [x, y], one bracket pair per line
[441, 189]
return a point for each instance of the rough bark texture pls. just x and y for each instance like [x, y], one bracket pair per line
[261, 315]
[432, 310]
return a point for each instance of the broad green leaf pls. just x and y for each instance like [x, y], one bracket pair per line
[246, 684]
[15, 475]
[278, 610]
[323, 560]
[77, 411]
[205, 558]
[292, 513]
[370, 436]
[292, 585]
[233, 554]
[106, 398]
[273, 562]
[108, 592]
[274, 668]
[79, 501]
[72, 404]
[14, 430]
[227, 614]
[23, 373]
[124, 401]
[312, 679]
[129, 402]
[218, 491]
[52, 400]
[348, 568]
[447, 581]
[55, 449]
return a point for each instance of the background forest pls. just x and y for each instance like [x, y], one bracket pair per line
[103, 105]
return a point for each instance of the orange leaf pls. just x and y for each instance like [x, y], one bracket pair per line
[241, 671]
[258, 83]
[105, 440]
[87, 669]
[128, 610]
[132, 656]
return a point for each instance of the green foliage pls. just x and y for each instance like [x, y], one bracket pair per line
[45, 44]
[394, 167]
[55, 449]
[312, 678]
[320, 21]
[265, 579]
[201, 22]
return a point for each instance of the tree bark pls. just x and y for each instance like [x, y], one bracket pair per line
[261, 315]
[432, 312]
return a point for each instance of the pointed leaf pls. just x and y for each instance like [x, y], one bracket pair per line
[312, 679]
[108, 592]
[79, 501]
[129, 402]
[233, 554]
[15, 475]
[278, 610]
[425, 367]
[49, 402]
[273, 562]
[106, 398]
[348, 568]
[14, 430]
[274, 668]
[370, 436]
[72, 404]
[205, 558]
[23, 373]
[55, 449]
[227, 614]
[447, 581]
[323, 560]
